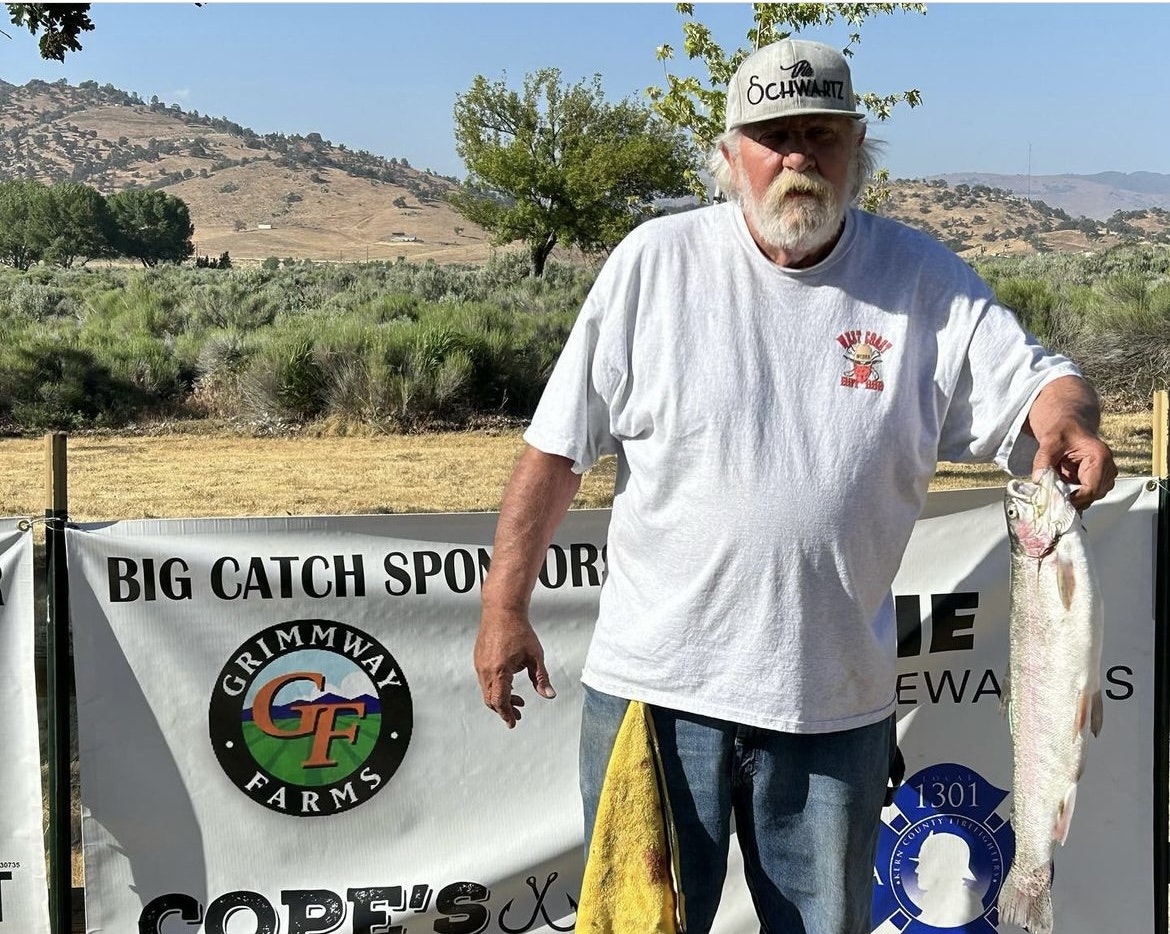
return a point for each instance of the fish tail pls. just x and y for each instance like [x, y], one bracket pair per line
[1026, 899]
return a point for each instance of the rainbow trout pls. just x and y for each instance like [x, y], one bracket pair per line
[1053, 690]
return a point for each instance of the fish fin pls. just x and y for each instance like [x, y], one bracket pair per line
[1091, 711]
[1026, 899]
[1066, 580]
[1083, 713]
[1064, 815]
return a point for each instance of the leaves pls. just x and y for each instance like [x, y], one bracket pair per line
[698, 107]
[24, 235]
[556, 163]
[152, 226]
[62, 24]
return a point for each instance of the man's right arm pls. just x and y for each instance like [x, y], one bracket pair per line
[536, 499]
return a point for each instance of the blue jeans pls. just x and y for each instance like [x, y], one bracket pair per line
[806, 808]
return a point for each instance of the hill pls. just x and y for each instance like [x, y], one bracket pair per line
[249, 194]
[1098, 196]
[977, 220]
[257, 196]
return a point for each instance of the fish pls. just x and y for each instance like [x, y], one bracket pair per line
[1052, 694]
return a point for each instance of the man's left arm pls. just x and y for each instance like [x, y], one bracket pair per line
[1064, 419]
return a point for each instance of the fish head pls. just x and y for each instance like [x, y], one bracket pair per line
[1038, 512]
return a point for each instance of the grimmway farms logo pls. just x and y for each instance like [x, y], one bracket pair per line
[310, 717]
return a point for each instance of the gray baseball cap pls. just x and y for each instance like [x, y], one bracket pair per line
[791, 78]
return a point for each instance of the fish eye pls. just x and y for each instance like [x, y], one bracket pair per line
[1012, 511]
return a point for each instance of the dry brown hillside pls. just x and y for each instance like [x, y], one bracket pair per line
[251, 195]
[256, 196]
[976, 220]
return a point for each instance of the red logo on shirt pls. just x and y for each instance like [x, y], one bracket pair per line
[863, 350]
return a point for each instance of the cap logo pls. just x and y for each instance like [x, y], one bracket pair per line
[788, 79]
[803, 83]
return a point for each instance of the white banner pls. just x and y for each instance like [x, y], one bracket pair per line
[280, 728]
[24, 899]
[279, 720]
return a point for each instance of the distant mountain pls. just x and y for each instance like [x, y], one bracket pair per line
[1099, 196]
[275, 195]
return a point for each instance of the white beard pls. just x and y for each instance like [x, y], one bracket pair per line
[790, 222]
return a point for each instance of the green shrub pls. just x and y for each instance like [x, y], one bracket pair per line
[146, 363]
[221, 364]
[47, 383]
[1033, 301]
[233, 303]
[284, 383]
[391, 344]
[34, 300]
[1110, 311]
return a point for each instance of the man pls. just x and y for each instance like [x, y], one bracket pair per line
[778, 377]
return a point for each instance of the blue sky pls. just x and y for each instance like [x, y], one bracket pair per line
[1006, 86]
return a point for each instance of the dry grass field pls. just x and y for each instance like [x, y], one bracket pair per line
[200, 469]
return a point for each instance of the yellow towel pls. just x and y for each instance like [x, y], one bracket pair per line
[630, 884]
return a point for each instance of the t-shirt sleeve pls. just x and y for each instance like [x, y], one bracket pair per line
[1004, 370]
[572, 418]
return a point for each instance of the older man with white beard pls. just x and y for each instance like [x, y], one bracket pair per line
[778, 377]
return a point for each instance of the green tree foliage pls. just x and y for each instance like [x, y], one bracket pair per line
[206, 262]
[151, 226]
[23, 232]
[60, 24]
[698, 106]
[70, 222]
[554, 163]
[78, 225]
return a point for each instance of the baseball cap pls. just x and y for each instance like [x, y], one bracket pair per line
[790, 78]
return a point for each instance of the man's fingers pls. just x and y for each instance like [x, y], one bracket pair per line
[1096, 480]
[538, 674]
[495, 682]
[497, 694]
[1089, 468]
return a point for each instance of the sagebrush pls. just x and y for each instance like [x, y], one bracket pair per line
[403, 346]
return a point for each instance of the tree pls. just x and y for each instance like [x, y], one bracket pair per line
[151, 226]
[23, 233]
[78, 224]
[699, 108]
[61, 23]
[559, 164]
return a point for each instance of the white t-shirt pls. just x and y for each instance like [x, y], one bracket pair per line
[776, 430]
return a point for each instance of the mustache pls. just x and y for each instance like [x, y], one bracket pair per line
[810, 183]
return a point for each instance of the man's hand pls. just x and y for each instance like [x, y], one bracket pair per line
[1085, 463]
[1064, 421]
[507, 644]
[539, 493]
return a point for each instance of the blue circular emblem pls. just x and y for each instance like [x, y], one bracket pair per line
[943, 850]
